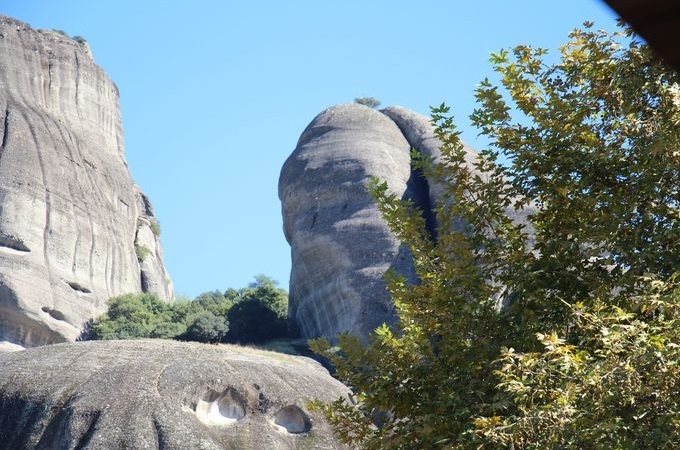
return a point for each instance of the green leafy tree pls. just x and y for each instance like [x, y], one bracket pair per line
[253, 322]
[589, 314]
[168, 330]
[206, 327]
[607, 382]
[260, 313]
[214, 302]
[371, 102]
[266, 291]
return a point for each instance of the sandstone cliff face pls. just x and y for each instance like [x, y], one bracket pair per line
[70, 214]
[340, 246]
[162, 395]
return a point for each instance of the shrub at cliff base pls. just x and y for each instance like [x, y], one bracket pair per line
[260, 314]
[252, 322]
[134, 316]
[561, 334]
[206, 327]
[253, 314]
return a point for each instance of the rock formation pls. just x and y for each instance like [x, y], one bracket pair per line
[72, 221]
[340, 245]
[162, 395]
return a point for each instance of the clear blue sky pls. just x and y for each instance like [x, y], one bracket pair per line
[215, 93]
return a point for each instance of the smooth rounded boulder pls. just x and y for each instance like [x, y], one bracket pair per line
[340, 245]
[157, 394]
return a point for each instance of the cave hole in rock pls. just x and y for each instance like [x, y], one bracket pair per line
[58, 315]
[78, 287]
[221, 408]
[293, 419]
[13, 243]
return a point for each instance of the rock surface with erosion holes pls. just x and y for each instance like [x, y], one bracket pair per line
[72, 221]
[340, 245]
[162, 395]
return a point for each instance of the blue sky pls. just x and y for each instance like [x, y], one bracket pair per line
[214, 95]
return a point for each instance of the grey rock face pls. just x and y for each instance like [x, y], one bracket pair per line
[162, 395]
[70, 213]
[340, 245]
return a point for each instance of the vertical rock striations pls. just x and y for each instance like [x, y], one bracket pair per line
[340, 245]
[71, 218]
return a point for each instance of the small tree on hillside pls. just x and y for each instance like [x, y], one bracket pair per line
[371, 102]
[253, 322]
[260, 313]
[207, 327]
[133, 316]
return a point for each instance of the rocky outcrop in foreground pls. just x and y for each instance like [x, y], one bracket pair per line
[340, 245]
[162, 395]
[75, 230]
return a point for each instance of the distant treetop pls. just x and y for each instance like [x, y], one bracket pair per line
[371, 102]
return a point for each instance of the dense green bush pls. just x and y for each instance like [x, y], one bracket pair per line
[133, 316]
[155, 226]
[258, 313]
[266, 291]
[206, 327]
[142, 252]
[253, 321]
[167, 330]
[371, 102]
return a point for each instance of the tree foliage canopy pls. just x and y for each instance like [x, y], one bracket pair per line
[260, 315]
[371, 102]
[562, 332]
[205, 319]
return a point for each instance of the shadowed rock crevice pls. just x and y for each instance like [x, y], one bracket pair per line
[148, 208]
[13, 243]
[144, 281]
[78, 287]
[161, 439]
[5, 131]
[79, 426]
[19, 422]
[418, 191]
[58, 315]
[89, 433]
